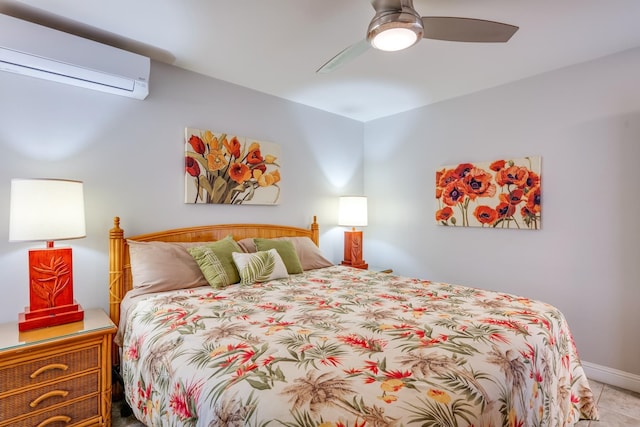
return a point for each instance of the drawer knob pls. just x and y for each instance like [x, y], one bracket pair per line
[46, 368]
[54, 393]
[57, 418]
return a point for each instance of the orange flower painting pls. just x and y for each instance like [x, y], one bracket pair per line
[227, 169]
[499, 194]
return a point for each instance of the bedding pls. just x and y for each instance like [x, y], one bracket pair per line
[343, 347]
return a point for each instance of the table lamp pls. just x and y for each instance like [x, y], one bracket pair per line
[48, 210]
[352, 212]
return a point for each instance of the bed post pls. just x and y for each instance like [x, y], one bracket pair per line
[315, 233]
[116, 278]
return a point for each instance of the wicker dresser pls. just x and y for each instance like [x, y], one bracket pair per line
[58, 376]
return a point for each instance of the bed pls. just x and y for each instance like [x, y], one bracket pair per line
[334, 346]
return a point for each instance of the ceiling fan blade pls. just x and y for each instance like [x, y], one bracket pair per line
[466, 29]
[345, 56]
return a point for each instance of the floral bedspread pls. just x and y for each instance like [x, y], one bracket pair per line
[351, 348]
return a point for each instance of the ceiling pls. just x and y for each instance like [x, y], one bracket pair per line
[276, 46]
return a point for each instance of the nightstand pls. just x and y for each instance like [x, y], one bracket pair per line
[57, 376]
[380, 269]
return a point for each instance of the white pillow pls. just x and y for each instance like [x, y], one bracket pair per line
[260, 266]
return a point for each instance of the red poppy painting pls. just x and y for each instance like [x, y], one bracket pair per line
[227, 169]
[504, 193]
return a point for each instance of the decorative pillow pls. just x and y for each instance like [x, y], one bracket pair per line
[216, 261]
[286, 251]
[162, 266]
[260, 266]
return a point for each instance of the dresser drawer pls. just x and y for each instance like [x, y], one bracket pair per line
[49, 367]
[40, 398]
[67, 415]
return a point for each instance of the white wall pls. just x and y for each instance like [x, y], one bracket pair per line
[130, 155]
[585, 123]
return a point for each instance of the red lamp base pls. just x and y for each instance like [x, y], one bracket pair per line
[353, 250]
[362, 265]
[60, 315]
[51, 300]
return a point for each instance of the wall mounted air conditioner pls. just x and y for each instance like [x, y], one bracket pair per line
[38, 51]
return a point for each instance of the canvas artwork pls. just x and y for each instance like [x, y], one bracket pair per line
[504, 193]
[228, 169]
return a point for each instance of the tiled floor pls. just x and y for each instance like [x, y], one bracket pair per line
[617, 407]
[118, 421]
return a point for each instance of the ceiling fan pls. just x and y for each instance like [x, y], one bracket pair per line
[396, 26]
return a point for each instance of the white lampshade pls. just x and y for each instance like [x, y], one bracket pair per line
[46, 210]
[352, 211]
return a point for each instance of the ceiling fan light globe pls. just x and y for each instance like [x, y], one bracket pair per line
[394, 39]
[394, 31]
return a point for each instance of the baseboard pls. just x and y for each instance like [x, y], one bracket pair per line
[612, 376]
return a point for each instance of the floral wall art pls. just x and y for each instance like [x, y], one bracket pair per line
[504, 193]
[228, 169]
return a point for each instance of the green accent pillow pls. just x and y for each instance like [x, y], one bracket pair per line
[216, 261]
[285, 249]
[260, 266]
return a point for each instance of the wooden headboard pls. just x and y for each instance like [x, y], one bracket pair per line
[120, 267]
